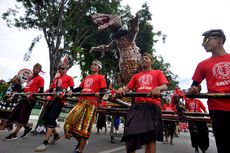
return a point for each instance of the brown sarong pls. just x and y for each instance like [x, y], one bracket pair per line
[80, 119]
[21, 113]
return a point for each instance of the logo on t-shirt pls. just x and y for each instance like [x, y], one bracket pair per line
[145, 79]
[88, 83]
[192, 106]
[221, 70]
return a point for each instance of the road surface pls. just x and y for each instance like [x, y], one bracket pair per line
[98, 143]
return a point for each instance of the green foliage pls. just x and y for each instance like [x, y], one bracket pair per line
[68, 30]
[145, 36]
[3, 88]
[165, 67]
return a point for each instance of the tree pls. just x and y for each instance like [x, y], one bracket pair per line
[3, 87]
[145, 40]
[68, 30]
[65, 25]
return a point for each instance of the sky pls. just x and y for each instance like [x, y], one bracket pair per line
[15, 43]
[183, 21]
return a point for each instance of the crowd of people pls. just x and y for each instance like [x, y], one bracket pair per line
[147, 111]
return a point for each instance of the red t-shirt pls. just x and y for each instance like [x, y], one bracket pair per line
[194, 104]
[168, 107]
[34, 84]
[216, 71]
[63, 81]
[145, 81]
[91, 84]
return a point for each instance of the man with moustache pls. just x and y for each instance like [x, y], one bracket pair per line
[145, 111]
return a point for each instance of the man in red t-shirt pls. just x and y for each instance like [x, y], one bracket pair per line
[145, 111]
[22, 111]
[169, 126]
[198, 130]
[195, 105]
[216, 71]
[81, 118]
[60, 84]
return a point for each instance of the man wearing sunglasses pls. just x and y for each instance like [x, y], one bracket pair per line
[216, 71]
[60, 84]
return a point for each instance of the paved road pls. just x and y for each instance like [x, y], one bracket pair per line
[97, 144]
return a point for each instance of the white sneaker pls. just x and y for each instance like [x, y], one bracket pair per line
[40, 148]
[38, 129]
[116, 132]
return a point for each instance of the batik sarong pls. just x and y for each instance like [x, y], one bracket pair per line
[80, 119]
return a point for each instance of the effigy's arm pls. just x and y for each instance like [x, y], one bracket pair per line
[103, 48]
[134, 29]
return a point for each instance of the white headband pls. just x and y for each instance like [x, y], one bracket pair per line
[98, 63]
